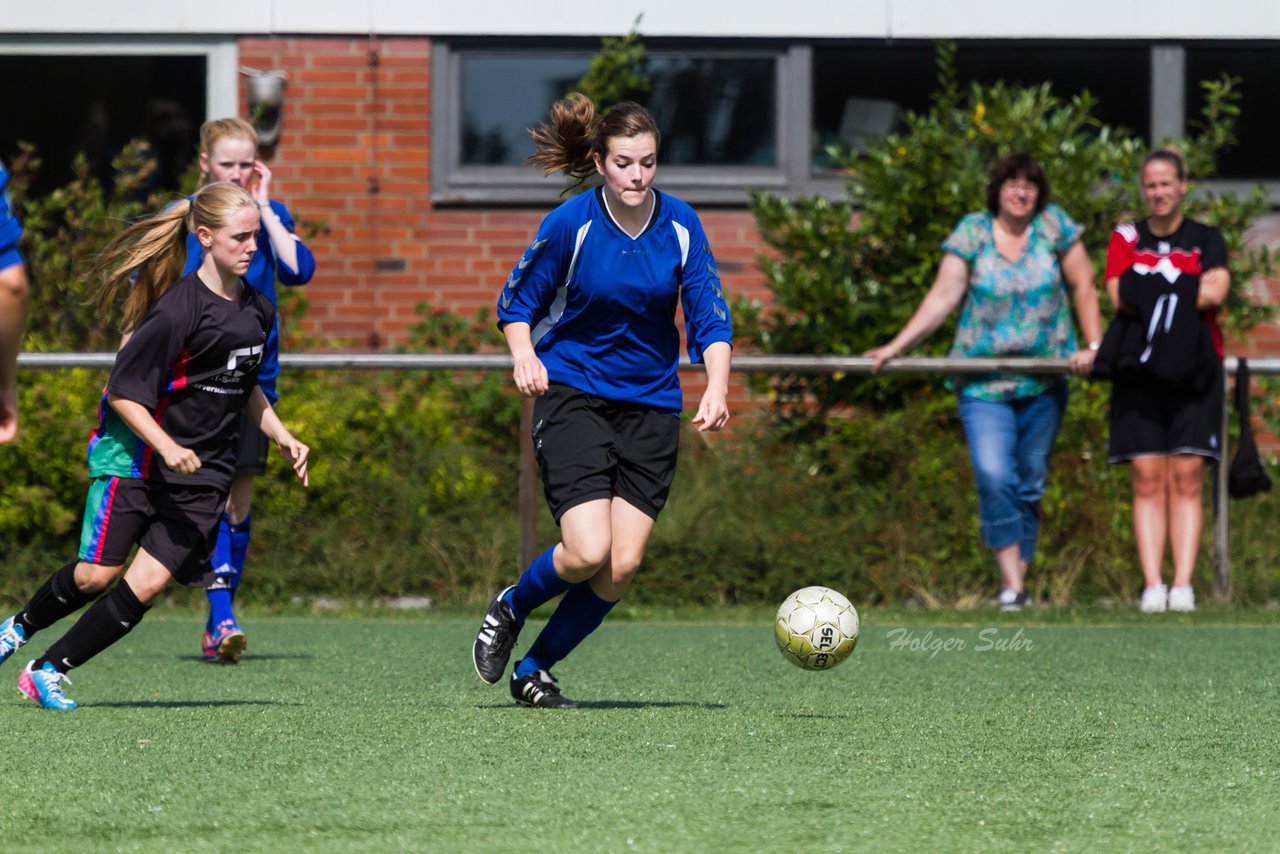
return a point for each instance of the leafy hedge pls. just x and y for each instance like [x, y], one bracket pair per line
[407, 499]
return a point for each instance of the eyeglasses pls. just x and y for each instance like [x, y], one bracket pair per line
[1018, 186]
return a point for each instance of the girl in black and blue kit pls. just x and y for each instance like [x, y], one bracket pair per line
[229, 152]
[163, 456]
[589, 317]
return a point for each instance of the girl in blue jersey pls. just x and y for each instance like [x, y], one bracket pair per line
[163, 456]
[229, 152]
[589, 317]
[13, 311]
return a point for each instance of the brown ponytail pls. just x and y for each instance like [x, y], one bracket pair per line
[569, 141]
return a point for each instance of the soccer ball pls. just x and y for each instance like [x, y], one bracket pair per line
[816, 628]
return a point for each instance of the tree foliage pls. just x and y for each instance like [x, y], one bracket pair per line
[616, 71]
[847, 273]
[63, 231]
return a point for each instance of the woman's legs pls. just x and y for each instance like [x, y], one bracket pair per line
[105, 622]
[586, 537]
[585, 541]
[1038, 420]
[585, 606]
[1186, 514]
[1010, 443]
[229, 555]
[991, 431]
[1150, 479]
[63, 593]
[111, 617]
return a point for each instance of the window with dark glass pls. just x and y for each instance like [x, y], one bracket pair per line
[712, 111]
[506, 94]
[861, 90]
[65, 105]
[1257, 127]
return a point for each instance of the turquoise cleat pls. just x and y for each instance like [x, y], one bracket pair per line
[45, 687]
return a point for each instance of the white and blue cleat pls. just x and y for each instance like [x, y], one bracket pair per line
[12, 638]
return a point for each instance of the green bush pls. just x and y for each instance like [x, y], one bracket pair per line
[403, 502]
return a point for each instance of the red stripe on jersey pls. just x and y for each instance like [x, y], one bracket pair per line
[177, 380]
[148, 453]
[178, 373]
[1182, 260]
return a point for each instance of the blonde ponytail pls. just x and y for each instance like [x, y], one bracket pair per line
[149, 255]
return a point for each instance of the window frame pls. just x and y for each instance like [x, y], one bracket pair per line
[222, 58]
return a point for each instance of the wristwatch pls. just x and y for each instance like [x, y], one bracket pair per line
[1094, 345]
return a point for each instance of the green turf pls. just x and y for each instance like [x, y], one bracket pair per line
[362, 734]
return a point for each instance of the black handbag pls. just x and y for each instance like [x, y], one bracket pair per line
[1247, 475]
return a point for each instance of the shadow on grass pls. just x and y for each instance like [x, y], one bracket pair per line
[250, 657]
[183, 704]
[618, 704]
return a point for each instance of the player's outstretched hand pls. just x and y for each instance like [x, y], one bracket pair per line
[180, 459]
[297, 454]
[713, 412]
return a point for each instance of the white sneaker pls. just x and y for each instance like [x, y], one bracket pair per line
[1182, 598]
[1011, 600]
[1155, 600]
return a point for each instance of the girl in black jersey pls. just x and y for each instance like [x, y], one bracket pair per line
[162, 458]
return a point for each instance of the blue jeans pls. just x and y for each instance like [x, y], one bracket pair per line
[1009, 444]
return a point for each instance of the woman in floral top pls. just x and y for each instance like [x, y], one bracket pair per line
[1005, 268]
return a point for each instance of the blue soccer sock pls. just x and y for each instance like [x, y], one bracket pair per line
[220, 594]
[240, 532]
[579, 614]
[539, 585]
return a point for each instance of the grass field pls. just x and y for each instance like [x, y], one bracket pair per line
[1037, 732]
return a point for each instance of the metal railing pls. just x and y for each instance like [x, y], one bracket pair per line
[743, 363]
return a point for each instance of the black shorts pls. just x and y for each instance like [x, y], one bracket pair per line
[177, 525]
[589, 448]
[1150, 419]
[251, 455]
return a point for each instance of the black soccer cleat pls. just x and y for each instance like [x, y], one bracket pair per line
[540, 691]
[495, 640]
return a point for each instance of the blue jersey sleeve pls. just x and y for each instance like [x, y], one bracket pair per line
[10, 228]
[705, 311]
[306, 261]
[531, 288]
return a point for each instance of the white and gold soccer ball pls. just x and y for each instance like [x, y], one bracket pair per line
[816, 628]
